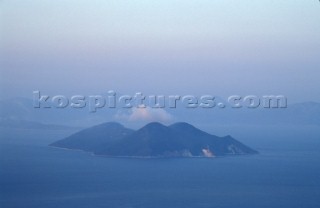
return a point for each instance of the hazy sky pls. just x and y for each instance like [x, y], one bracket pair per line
[161, 47]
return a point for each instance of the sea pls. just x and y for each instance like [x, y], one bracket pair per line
[285, 174]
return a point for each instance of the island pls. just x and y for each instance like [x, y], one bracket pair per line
[153, 140]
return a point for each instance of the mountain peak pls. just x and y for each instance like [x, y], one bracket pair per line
[92, 138]
[154, 125]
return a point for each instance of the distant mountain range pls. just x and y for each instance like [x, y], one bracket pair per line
[24, 124]
[152, 140]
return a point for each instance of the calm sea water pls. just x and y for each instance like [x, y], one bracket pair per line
[286, 174]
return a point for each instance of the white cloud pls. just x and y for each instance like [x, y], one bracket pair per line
[146, 114]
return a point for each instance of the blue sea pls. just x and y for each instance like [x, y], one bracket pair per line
[286, 174]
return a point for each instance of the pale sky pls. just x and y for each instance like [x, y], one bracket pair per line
[213, 47]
